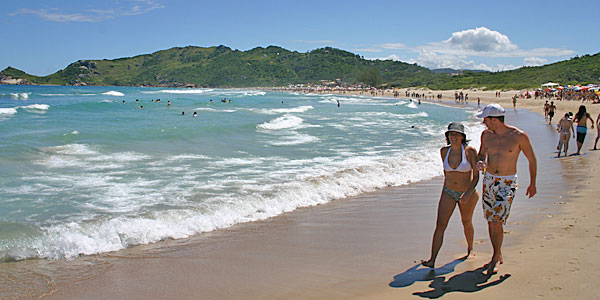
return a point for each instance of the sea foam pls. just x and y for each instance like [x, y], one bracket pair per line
[8, 111]
[113, 93]
[283, 122]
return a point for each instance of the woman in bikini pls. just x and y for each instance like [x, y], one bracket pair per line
[581, 120]
[460, 180]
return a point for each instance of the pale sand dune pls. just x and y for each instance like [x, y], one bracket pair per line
[362, 247]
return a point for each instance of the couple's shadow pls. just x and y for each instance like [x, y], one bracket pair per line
[469, 281]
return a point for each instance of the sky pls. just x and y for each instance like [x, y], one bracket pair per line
[41, 37]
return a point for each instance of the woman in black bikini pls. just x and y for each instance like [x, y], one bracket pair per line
[460, 180]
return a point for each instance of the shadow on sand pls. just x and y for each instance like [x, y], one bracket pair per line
[467, 282]
[415, 274]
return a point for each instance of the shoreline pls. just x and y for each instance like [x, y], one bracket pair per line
[310, 253]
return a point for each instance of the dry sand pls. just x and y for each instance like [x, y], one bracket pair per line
[365, 247]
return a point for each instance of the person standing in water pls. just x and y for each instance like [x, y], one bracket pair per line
[460, 181]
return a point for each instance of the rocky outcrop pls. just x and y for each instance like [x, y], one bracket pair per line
[5, 79]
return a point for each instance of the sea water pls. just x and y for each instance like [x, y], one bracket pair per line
[86, 170]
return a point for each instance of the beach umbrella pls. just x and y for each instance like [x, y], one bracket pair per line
[560, 87]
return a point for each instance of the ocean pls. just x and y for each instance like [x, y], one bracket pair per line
[86, 170]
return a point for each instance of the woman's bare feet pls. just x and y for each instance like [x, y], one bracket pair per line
[428, 263]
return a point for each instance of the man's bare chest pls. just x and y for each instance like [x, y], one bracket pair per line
[502, 145]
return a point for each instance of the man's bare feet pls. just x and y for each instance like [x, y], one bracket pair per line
[428, 263]
[492, 267]
[470, 255]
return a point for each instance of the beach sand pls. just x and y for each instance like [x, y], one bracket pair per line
[365, 247]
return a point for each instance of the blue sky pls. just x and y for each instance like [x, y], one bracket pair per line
[42, 37]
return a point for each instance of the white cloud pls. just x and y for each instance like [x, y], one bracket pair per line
[316, 42]
[484, 42]
[136, 7]
[368, 50]
[141, 7]
[481, 39]
[465, 50]
[534, 61]
[393, 46]
[433, 60]
[57, 16]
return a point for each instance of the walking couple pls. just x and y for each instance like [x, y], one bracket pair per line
[500, 147]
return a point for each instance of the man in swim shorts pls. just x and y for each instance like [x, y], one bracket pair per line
[551, 110]
[499, 151]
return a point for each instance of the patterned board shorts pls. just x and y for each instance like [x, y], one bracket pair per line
[498, 194]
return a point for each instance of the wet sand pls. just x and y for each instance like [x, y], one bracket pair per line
[366, 247]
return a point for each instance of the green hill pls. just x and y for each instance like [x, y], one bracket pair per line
[577, 70]
[274, 66]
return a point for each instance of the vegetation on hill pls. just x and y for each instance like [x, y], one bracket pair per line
[274, 66]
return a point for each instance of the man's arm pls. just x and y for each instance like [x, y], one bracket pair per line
[530, 155]
[482, 155]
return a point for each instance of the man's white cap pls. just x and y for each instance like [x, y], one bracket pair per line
[491, 110]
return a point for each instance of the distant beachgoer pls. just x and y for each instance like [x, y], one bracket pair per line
[168, 103]
[459, 189]
[551, 110]
[195, 114]
[479, 100]
[338, 103]
[123, 101]
[499, 151]
[546, 105]
[514, 102]
[581, 118]
[597, 131]
[183, 113]
[137, 100]
[141, 107]
[565, 128]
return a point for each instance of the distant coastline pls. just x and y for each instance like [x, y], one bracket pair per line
[223, 67]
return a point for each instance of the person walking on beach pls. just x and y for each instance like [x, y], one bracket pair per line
[546, 105]
[499, 151]
[460, 182]
[564, 128]
[597, 131]
[581, 118]
[551, 110]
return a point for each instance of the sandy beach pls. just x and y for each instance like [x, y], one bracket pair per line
[369, 246]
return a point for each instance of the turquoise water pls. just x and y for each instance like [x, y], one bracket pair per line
[81, 172]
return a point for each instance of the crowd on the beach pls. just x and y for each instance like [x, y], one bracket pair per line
[591, 94]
